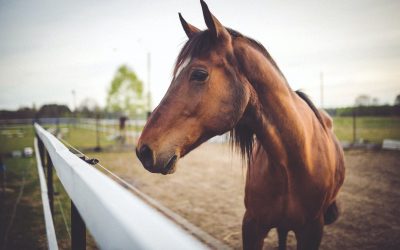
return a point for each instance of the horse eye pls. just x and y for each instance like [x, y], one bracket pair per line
[199, 75]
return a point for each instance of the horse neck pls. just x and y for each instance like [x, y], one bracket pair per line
[273, 112]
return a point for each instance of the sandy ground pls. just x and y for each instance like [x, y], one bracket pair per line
[208, 190]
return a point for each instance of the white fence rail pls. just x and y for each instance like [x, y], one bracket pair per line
[116, 218]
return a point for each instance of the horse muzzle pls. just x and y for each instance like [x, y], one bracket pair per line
[163, 164]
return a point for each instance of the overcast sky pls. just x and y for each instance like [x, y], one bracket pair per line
[49, 48]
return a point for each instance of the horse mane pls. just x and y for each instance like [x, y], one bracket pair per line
[241, 137]
[305, 98]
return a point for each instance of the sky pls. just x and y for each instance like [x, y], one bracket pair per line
[48, 49]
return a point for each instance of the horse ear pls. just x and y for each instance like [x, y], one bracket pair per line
[189, 29]
[216, 28]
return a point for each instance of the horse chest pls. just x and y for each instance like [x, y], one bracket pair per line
[265, 196]
[275, 198]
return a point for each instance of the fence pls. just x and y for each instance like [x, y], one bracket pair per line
[71, 121]
[115, 218]
[110, 127]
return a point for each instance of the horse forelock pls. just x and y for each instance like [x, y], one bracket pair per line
[199, 44]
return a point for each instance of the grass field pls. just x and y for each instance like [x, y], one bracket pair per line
[18, 137]
[21, 216]
[373, 129]
[15, 138]
[21, 211]
[86, 138]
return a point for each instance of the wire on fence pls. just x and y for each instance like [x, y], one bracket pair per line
[67, 226]
[205, 237]
[130, 222]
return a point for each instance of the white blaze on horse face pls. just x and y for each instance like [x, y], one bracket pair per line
[182, 66]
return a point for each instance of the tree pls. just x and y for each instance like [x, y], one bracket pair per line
[397, 100]
[54, 110]
[125, 95]
[88, 107]
[21, 113]
[363, 100]
[375, 101]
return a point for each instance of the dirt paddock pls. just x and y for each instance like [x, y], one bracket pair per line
[208, 190]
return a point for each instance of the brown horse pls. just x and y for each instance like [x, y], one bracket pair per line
[224, 81]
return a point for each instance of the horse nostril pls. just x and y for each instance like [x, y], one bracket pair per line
[145, 155]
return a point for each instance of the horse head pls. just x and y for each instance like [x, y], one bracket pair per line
[207, 97]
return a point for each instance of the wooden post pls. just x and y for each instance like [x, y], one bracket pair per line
[78, 230]
[354, 126]
[98, 147]
[50, 190]
[41, 149]
[58, 126]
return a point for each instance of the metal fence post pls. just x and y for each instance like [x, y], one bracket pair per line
[78, 230]
[50, 191]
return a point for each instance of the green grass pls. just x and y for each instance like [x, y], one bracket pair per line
[86, 138]
[373, 129]
[83, 138]
[16, 138]
[28, 229]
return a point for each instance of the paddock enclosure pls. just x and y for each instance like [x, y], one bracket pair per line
[208, 187]
[207, 191]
